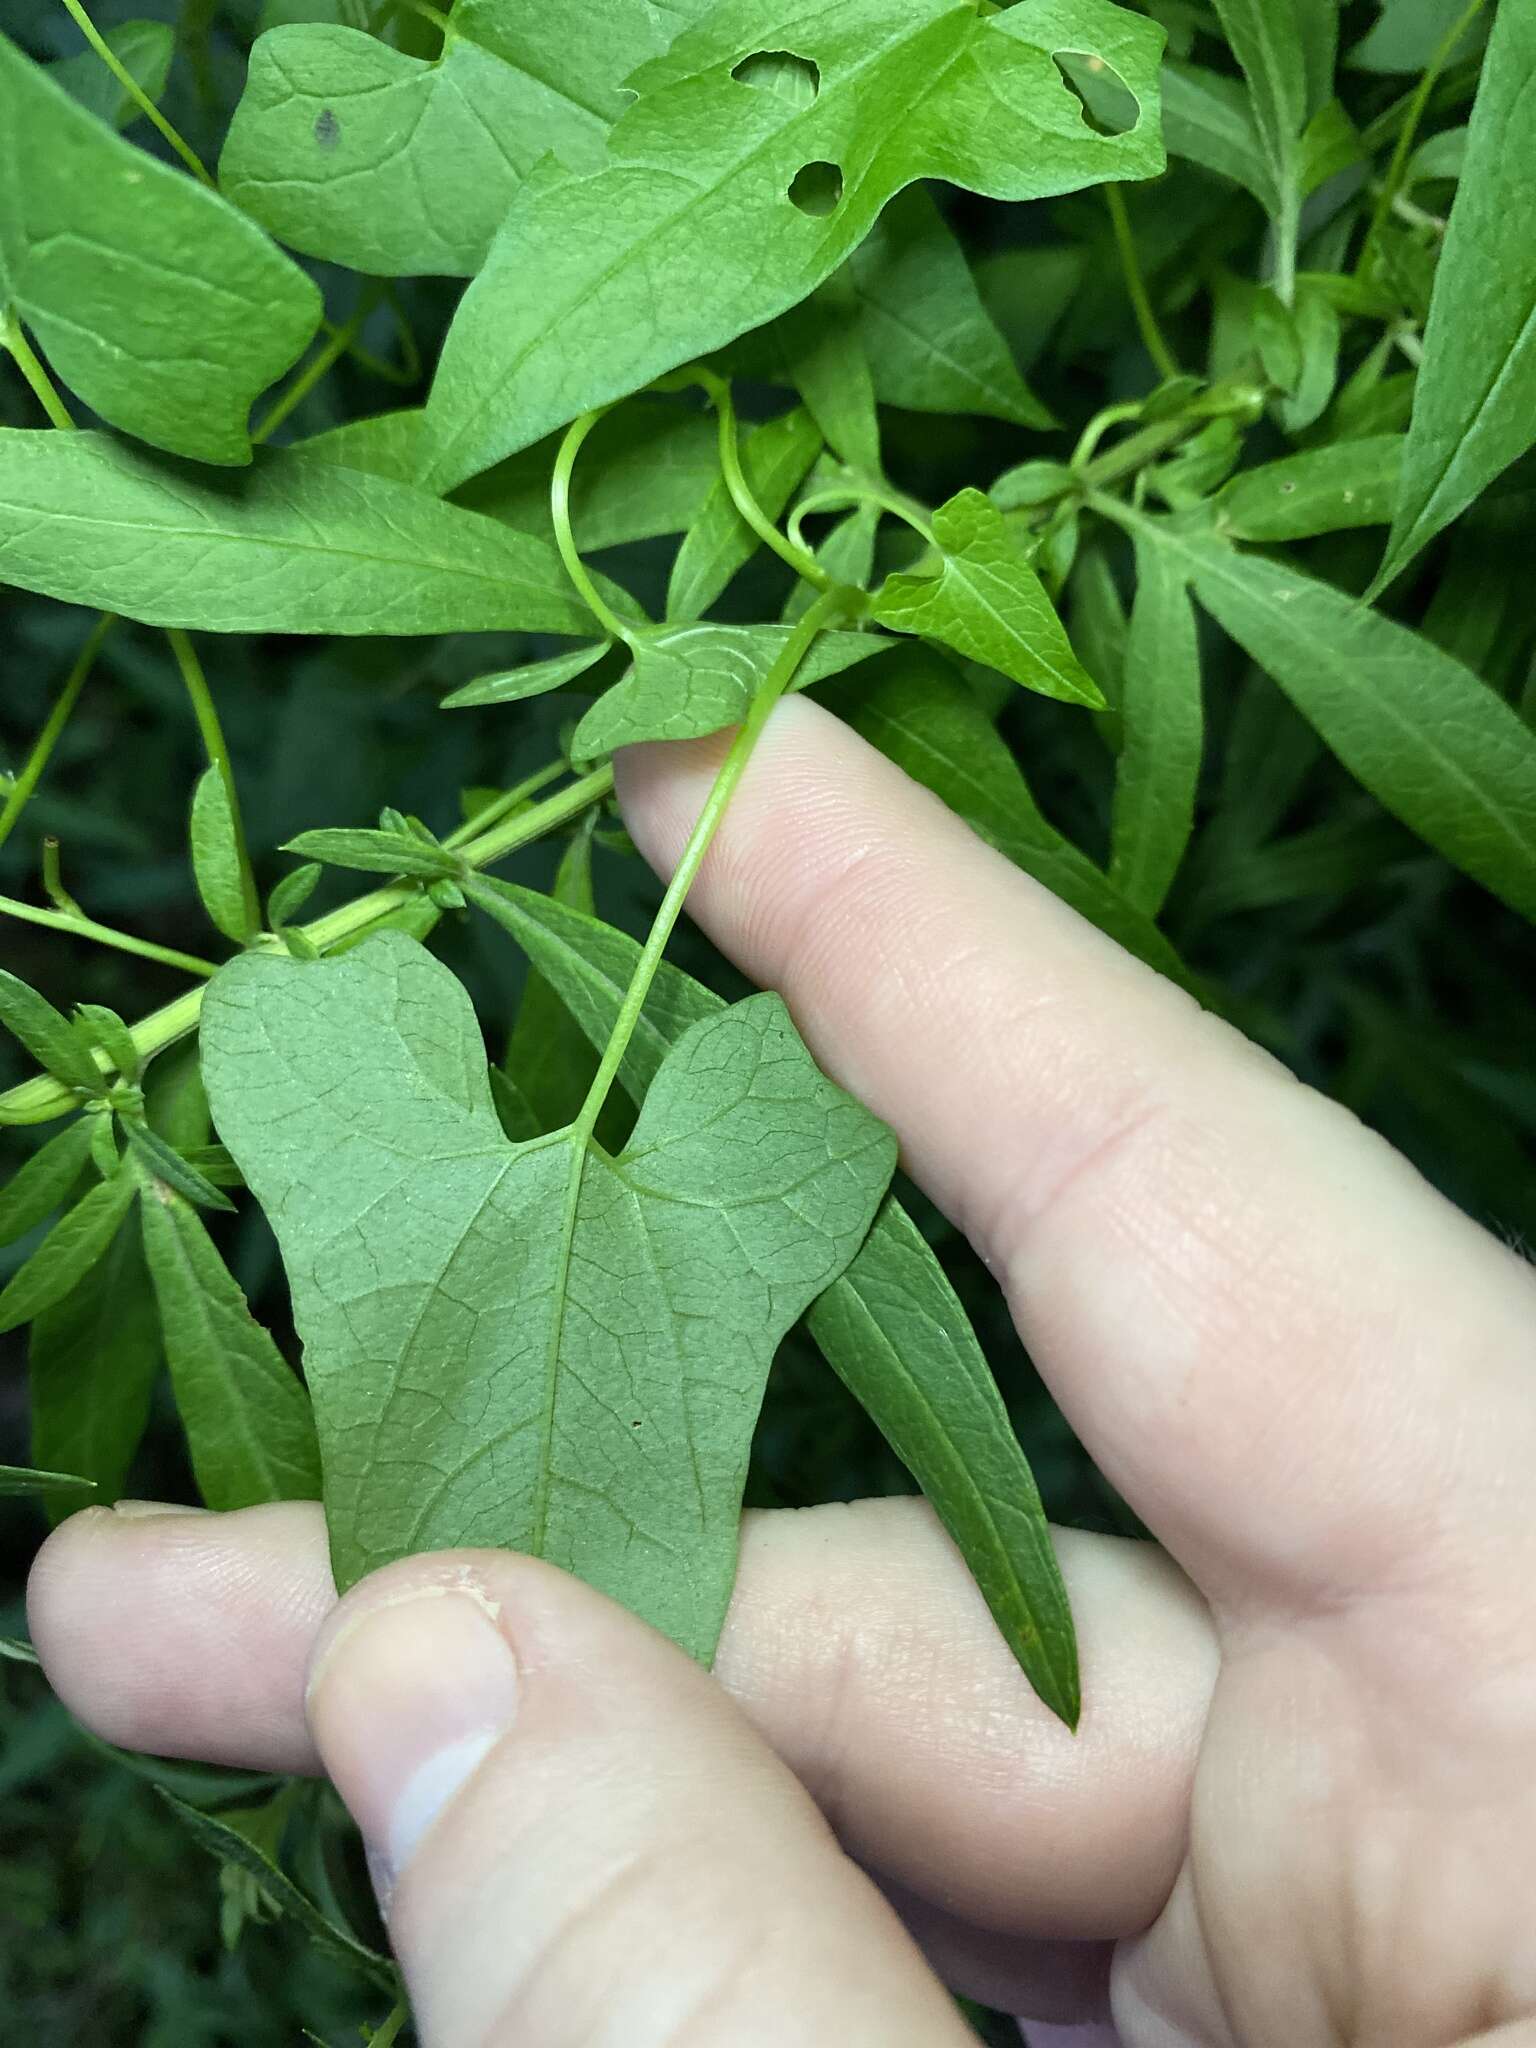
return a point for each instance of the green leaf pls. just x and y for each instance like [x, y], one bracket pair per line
[221, 875]
[68, 1252]
[734, 203]
[1268, 42]
[891, 1327]
[18, 1481]
[291, 895]
[168, 1166]
[375, 853]
[386, 444]
[353, 152]
[1318, 335]
[1409, 32]
[988, 604]
[1163, 726]
[230, 1847]
[33, 1021]
[1208, 119]
[549, 1064]
[536, 679]
[1327, 490]
[143, 48]
[922, 717]
[153, 298]
[775, 458]
[687, 681]
[249, 1428]
[1474, 412]
[824, 357]
[930, 341]
[1428, 738]
[534, 1346]
[93, 1360]
[32, 1193]
[291, 545]
[14, 1651]
[104, 1028]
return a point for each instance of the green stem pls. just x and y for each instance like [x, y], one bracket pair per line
[560, 512]
[1153, 338]
[856, 492]
[15, 342]
[1418, 100]
[122, 942]
[217, 748]
[389, 2033]
[53, 882]
[137, 94]
[800, 559]
[509, 800]
[1287, 238]
[39, 1100]
[42, 750]
[1136, 450]
[338, 341]
[778, 679]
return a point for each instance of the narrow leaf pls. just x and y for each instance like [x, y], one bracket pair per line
[549, 1064]
[291, 545]
[19, 1480]
[891, 1327]
[1327, 490]
[105, 1030]
[534, 1346]
[374, 853]
[168, 1167]
[1266, 38]
[217, 867]
[1208, 119]
[67, 1253]
[36, 1190]
[247, 1418]
[988, 604]
[513, 685]
[291, 894]
[1474, 410]
[1163, 726]
[156, 300]
[36, 1024]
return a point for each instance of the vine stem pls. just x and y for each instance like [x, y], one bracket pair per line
[338, 341]
[565, 538]
[800, 559]
[823, 613]
[123, 942]
[1418, 100]
[1153, 338]
[217, 749]
[136, 92]
[41, 1099]
[42, 749]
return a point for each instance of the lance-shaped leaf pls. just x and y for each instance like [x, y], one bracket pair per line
[156, 300]
[1267, 40]
[687, 681]
[18, 1481]
[168, 1165]
[724, 202]
[36, 1189]
[67, 1253]
[376, 853]
[987, 603]
[1426, 736]
[535, 679]
[143, 48]
[892, 1327]
[1163, 726]
[534, 1346]
[352, 151]
[294, 544]
[93, 1359]
[549, 1064]
[931, 343]
[33, 1021]
[248, 1423]
[774, 458]
[1474, 409]
[222, 878]
[1208, 119]
[1327, 490]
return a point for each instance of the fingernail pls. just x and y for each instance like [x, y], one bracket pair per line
[142, 1510]
[404, 1706]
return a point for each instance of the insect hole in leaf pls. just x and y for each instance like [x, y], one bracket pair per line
[817, 189]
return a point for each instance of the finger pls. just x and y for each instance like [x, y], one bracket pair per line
[856, 1642]
[1306, 1370]
[580, 1839]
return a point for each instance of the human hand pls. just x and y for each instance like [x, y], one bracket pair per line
[1301, 1808]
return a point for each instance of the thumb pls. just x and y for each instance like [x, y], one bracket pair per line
[578, 1839]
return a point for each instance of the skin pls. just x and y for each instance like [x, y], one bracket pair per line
[1301, 1808]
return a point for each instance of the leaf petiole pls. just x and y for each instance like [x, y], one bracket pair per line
[1153, 338]
[718, 391]
[565, 539]
[137, 94]
[42, 749]
[206, 714]
[122, 942]
[16, 345]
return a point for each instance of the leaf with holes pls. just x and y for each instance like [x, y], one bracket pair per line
[534, 1346]
[724, 201]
